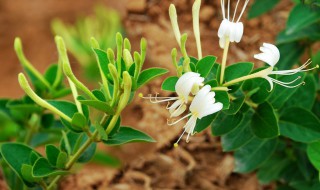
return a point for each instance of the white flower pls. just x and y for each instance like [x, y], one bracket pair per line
[271, 55]
[187, 83]
[230, 29]
[202, 105]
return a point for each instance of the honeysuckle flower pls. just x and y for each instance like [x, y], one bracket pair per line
[230, 30]
[202, 105]
[271, 55]
[188, 83]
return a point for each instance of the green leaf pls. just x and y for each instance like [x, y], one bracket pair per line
[271, 170]
[98, 94]
[99, 105]
[300, 17]
[293, 51]
[260, 7]
[313, 152]
[42, 168]
[15, 161]
[224, 123]
[62, 160]
[66, 107]
[300, 125]
[214, 74]
[235, 105]
[239, 136]
[310, 33]
[149, 74]
[51, 73]
[169, 84]
[223, 97]
[281, 94]
[52, 153]
[264, 122]
[128, 135]
[250, 156]
[79, 122]
[26, 171]
[238, 70]
[204, 123]
[305, 95]
[204, 66]
[103, 61]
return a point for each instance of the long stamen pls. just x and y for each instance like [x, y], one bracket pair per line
[228, 9]
[175, 122]
[164, 99]
[235, 11]
[299, 69]
[243, 8]
[222, 8]
[284, 83]
[177, 142]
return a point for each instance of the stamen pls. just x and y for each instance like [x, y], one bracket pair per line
[284, 83]
[175, 122]
[244, 7]
[222, 8]
[299, 69]
[235, 11]
[177, 142]
[229, 10]
[164, 99]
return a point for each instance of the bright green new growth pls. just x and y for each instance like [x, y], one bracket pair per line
[81, 131]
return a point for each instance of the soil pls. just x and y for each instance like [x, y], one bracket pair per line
[200, 164]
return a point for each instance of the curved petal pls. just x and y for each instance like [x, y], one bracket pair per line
[213, 108]
[224, 28]
[239, 32]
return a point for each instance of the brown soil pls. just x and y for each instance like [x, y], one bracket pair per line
[200, 164]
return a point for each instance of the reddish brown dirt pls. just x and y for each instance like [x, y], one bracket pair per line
[200, 164]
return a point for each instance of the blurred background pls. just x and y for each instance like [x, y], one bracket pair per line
[200, 164]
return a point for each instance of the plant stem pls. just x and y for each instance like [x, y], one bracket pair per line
[254, 75]
[224, 59]
[112, 123]
[75, 157]
[33, 127]
[220, 88]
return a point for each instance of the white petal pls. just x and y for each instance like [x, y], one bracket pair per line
[197, 102]
[182, 108]
[175, 105]
[274, 49]
[265, 58]
[213, 108]
[224, 28]
[239, 31]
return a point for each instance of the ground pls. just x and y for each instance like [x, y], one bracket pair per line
[200, 164]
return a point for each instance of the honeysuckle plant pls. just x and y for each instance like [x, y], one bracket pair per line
[93, 116]
[267, 116]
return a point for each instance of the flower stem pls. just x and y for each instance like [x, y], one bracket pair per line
[247, 77]
[220, 88]
[224, 59]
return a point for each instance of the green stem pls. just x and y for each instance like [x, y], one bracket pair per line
[33, 127]
[224, 59]
[112, 123]
[220, 88]
[75, 157]
[260, 74]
